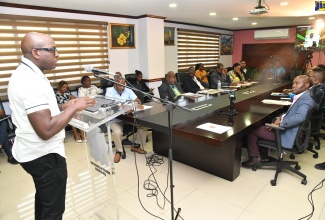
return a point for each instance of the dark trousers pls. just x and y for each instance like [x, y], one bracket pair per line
[4, 138]
[260, 133]
[50, 177]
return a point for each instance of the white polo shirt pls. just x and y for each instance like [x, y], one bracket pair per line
[30, 91]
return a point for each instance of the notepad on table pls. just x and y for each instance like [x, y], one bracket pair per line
[219, 129]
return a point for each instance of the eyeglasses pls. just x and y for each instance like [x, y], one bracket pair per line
[51, 49]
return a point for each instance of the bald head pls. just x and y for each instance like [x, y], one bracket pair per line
[171, 77]
[300, 84]
[40, 49]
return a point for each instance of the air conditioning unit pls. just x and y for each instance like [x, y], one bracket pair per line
[282, 33]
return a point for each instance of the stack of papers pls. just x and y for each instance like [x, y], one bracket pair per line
[219, 129]
[209, 91]
[279, 94]
[276, 102]
[191, 95]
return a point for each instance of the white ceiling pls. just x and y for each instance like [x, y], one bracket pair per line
[197, 12]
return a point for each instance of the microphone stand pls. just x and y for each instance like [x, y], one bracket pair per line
[169, 108]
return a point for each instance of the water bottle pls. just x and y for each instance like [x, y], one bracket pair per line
[219, 84]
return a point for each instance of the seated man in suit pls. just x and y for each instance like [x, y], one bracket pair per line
[192, 83]
[290, 121]
[171, 89]
[120, 92]
[218, 75]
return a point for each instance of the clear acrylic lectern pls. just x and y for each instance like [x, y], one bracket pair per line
[102, 203]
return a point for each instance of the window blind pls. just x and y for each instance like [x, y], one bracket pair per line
[79, 43]
[197, 47]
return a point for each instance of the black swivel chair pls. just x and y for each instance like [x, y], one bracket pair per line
[180, 76]
[131, 78]
[104, 84]
[11, 128]
[300, 145]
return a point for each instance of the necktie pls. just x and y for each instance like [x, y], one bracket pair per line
[177, 93]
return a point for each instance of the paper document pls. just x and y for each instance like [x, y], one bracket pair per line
[279, 94]
[276, 102]
[191, 95]
[145, 107]
[209, 91]
[219, 129]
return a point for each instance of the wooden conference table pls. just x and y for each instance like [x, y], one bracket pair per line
[218, 154]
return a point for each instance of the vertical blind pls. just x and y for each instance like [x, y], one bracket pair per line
[79, 43]
[197, 47]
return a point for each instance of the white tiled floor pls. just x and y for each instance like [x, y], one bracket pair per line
[199, 195]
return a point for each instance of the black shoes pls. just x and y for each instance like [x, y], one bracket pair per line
[252, 161]
[320, 166]
[12, 160]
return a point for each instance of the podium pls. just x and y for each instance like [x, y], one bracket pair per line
[100, 200]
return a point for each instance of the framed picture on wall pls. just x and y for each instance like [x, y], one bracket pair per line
[226, 44]
[122, 36]
[169, 36]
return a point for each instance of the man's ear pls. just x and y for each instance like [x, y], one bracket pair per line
[35, 54]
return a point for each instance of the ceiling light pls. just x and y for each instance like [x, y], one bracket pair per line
[283, 3]
[173, 5]
[254, 23]
[311, 18]
[235, 19]
[212, 14]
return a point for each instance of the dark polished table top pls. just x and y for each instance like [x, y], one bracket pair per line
[157, 117]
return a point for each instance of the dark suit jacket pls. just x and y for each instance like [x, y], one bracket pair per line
[190, 85]
[214, 77]
[166, 91]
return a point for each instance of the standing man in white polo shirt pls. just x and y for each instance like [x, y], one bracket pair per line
[40, 125]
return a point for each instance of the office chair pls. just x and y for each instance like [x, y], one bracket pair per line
[180, 76]
[317, 93]
[300, 145]
[104, 84]
[131, 78]
[11, 128]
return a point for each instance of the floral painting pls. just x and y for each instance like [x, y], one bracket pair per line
[122, 36]
[169, 36]
[226, 44]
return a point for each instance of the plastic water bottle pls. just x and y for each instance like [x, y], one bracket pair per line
[219, 84]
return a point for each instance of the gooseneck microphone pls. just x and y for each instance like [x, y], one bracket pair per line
[90, 68]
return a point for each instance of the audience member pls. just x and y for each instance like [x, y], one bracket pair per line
[171, 89]
[4, 141]
[87, 89]
[40, 124]
[140, 81]
[191, 83]
[278, 71]
[235, 75]
[290, 121]
[219, 75]
[243, 69]
[63, 95]
[120, 92]
[201, 73]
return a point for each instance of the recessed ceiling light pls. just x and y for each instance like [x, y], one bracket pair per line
[173, 5]
[212, 14]
[254, 23]
[235, 19]
[284, 3]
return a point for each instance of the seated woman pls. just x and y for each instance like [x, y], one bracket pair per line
[201, 73]
[236, 75]
[63, 95]
[87, 89]
[4, 141]
[143, 85]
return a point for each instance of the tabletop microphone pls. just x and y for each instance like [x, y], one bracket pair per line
[90, 68]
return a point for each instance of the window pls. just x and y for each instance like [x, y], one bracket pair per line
[79, 43]
[197, 47]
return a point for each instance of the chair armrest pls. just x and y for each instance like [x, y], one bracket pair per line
[5, 118]
[277, 130]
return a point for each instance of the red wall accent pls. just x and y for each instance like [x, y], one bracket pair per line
[247, 37]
